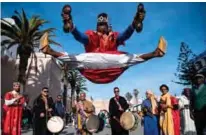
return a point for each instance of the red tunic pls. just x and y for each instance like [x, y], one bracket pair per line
[102, 44]
[176, 116]
[12, 117]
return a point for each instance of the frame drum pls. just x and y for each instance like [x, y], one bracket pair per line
[129, 121]
[55, 124]
[94, 124]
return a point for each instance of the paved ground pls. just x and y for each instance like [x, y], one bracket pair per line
[70, 131]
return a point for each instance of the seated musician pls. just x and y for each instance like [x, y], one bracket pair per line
[84, 109]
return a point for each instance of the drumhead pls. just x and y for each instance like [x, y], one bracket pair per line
[92, 123]
[127, 120]
[55, 124]
[136, 116]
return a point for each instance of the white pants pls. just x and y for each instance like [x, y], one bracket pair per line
[101, 60]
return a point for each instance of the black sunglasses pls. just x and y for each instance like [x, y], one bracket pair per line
[46, 91]
[116, 91]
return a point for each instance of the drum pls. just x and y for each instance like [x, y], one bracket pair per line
[129, 121]
[55, 124]
[94, 124]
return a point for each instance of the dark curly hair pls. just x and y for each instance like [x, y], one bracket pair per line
[164, 85]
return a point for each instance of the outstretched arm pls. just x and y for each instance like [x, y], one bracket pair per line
[126, 34]
[79, 36]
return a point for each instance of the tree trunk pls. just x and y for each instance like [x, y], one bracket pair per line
[24, 55]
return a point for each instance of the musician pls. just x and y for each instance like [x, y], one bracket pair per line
[117, 105]
[13, 108]
[169, 113]
[150, 114]
[187, 123]
[198, 103]
[43, 109]
[59, 107]
[84, 109]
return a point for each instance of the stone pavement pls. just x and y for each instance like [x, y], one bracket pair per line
[70, 131]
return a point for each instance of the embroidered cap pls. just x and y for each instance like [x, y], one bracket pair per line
[102, 18]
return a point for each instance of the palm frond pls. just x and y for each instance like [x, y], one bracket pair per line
[11, 44]
[54, 43]
[9, 30]
[6, 42]
[25, 23]
[36, 24]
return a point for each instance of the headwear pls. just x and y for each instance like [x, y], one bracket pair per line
[153, 101]
[149, 92]
[16, 83]
[199, 76]
[82, 92]
[102, 18]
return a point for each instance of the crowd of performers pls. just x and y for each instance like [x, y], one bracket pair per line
[167, 115]
[103, 63]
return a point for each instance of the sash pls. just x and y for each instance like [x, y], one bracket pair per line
[118, 104]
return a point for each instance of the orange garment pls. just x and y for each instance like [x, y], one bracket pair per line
[166, 118]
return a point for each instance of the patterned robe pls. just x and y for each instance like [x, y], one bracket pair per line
[86, 109]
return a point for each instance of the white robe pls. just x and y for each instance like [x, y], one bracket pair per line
[136, 103]
[187, 123]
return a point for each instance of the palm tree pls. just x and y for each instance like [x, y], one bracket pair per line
[77, 83]
[25, 34]
[135, 92]
[128, 96]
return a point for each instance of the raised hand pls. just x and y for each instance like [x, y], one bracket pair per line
[139, 17]
[67, 18]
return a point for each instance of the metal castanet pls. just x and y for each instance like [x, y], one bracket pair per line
[139, 17]
[67, 18]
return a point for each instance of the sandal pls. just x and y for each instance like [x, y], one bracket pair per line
[44, 42]
[162, 46]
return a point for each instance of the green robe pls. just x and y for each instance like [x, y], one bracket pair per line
[199, 97]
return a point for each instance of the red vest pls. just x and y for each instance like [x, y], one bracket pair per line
[102, 44]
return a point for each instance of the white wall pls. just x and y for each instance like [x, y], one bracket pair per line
[48, 75]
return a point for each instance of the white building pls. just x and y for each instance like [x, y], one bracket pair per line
[49, 74]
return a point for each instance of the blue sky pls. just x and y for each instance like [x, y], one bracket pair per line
[177, 22]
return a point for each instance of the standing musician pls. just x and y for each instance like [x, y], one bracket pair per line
[13, 108]
[150, 114]
[117, 105]
[84, 109]
[43, 110]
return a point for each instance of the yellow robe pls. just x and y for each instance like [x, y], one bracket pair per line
[166, 120]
